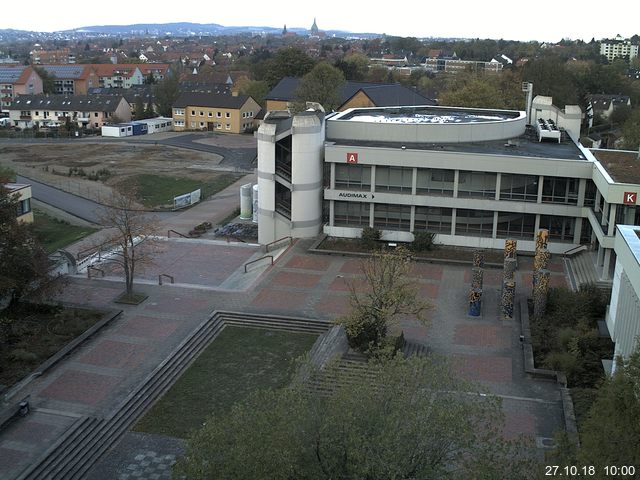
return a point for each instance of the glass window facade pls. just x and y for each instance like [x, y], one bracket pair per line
[433, 219]
[476, 184]
[392, 217]
[435, 182]
[394, 179]
[560, 190]
[353, 177]
[351, 214]
[516, 225]
[522, 188]
[475, 223]
[560, 228]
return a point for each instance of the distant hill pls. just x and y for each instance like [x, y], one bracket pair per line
[180, 29]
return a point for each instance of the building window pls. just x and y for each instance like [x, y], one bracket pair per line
[210, 114]
[515, 225]
[560, 190]
[394, 179]
[201, 124]
[202, 114]
[476, 184]
[353, 177]
[193, 124]
[560, 228]
[24, 206]
[590, 194]
[179, 123]
[227, 126]
[435, 182]
[433, 219]
[218, 114]
[219, 126]
[522, 188]
[351, 214]
[193, 112]
[392, 217]
[227, 115]
[179, 111]
[475, 223]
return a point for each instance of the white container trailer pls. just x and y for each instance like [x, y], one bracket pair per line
[118, 130]
[160, 124]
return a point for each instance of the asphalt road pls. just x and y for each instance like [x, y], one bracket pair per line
[78, 206]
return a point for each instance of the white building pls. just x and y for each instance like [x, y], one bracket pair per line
[623, 313]
[618, 48]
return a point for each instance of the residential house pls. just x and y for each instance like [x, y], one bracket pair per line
[352, 95]
[17, 80]
[130, 95]
[85, 111]
[61, 56]
[72, 79]
[23, 192]
[604, 105]
[157, 70]
[214, 112]
[122, 75]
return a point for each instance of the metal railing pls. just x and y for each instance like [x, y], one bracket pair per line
[91, 268]
[257, 260]
[170, 277]
[573, 250]
[266, 247]
[176, 232]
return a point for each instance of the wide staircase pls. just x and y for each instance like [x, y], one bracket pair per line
[582, 271]
[73, 454]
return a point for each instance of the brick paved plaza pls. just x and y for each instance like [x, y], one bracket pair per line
[99, 374]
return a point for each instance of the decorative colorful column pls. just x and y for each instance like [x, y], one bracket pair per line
[475, 302]
[508, 278]
[508, 297]
[541, 293]
[478, 258]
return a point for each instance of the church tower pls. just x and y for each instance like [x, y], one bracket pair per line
[314, 28]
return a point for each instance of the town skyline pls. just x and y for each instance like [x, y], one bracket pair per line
[496, 20]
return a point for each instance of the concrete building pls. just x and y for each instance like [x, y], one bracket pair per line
[23, 192]
[17, 80]
[455, 65]
[623, 313]
[618, 48]
[474, 177]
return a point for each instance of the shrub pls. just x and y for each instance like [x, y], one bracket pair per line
[22, 355]
[370, 237]
[423, 241]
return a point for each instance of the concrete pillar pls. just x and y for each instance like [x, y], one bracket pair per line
[453, 221]
[412, 221]
[332, 212]
[540, 185]
[414, 181]
[536, 226]
[498, 183]
[606, 264]
[494, 230]
[582, 189]
[613, 208]
[371, 213]
[577, 230]
[456, 179]
[332, 183]
[373, 179]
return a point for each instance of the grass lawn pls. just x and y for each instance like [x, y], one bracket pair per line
[55, 234]
[35, 333]
[236, 363]
[159, 190]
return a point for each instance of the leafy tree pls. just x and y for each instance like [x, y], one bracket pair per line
[387, 294]
[150, 79]
[370, 237]
[322, 85]
[24, 263]
[354, 66]
[48, 80]
[398, 419]
[149, 112]
[256, 89]
[423, 241]
[138, 108]
[287, 62]
[631, 131]
[166, 92]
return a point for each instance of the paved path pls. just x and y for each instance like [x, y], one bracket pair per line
[96, 377]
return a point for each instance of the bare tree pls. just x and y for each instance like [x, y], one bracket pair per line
[130, 232]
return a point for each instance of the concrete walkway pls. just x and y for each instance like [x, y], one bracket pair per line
[95, 378]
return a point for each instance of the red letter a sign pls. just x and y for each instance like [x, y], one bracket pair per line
[352, 158]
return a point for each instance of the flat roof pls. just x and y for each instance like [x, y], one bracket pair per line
[14, 187]
[427, 115]
[623, 166]
[631, 236]
[522, 146]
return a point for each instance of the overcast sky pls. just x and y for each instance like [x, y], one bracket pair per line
[543, 20]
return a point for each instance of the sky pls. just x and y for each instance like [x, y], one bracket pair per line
[548, 20]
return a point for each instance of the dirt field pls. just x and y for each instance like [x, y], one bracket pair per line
[75, 167]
